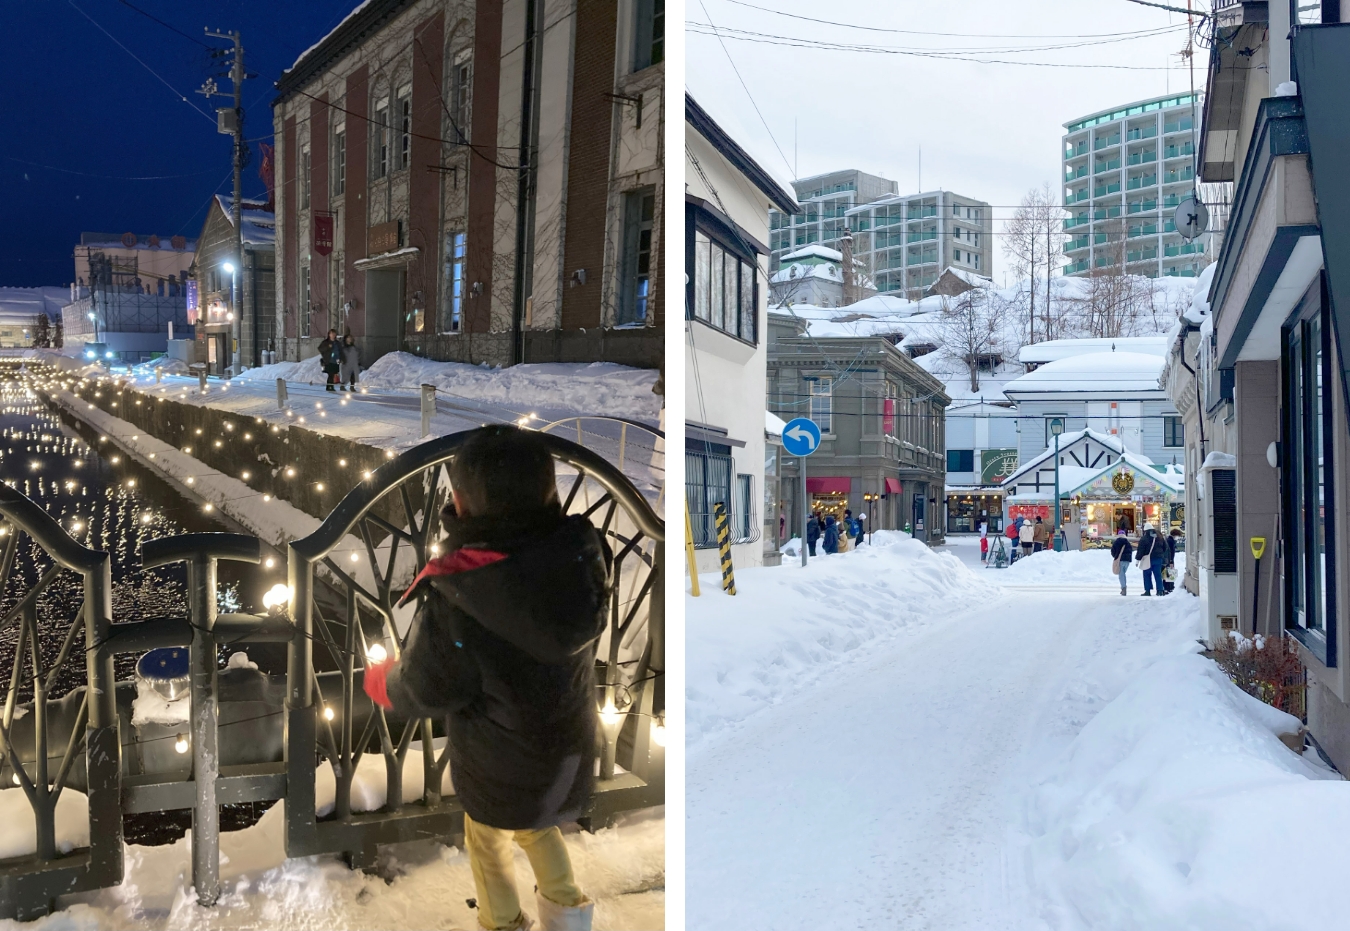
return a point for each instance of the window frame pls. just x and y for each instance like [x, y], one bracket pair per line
[306, 176]
[451, 321]
[723, 240]
[1301, 476]
[1174, 431]
[340, 159]
[379, 142]
[403, 113]
[821, 415]
[635, 293]
[306, 294]
[649, 18]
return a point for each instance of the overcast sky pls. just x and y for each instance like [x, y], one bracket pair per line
[989, 131]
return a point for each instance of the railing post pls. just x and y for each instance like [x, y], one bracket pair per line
[103, 748]
[300, 723]
[44, 814]
[205, 743]
[428, 407]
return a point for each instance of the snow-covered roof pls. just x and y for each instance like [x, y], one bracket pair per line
[969, 277]
[1055, 349]
[1199, 309]
[796, 271]
[259, 223]
[1141, 465]
[1113, 373]
[773, 424]
[815, 251]
[359, 7]
[1066, 444]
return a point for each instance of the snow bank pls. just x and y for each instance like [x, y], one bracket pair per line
[594, 388]
[1072, 567]
[370, 783]
[18, 838]
[1177, 806]
[787, 625]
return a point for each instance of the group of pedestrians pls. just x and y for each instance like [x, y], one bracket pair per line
[834, 535]
[340, 360]
[1155, 554]
[1031, 536]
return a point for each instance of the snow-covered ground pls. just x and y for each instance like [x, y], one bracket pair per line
[899, 738]
[418, 885]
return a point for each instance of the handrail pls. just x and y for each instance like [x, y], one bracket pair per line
[237, 547]
[47, 532]
[389, 476]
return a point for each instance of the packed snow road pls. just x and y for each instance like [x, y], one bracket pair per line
[891, 792]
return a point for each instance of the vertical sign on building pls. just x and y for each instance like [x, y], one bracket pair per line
[888, 416]
[323, 235]
[192, 305]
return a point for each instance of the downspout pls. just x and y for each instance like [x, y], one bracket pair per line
[525, 183]
[1199, 406]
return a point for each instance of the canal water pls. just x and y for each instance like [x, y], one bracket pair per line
[108, 502]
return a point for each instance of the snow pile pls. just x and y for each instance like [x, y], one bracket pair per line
[418, 885]
[370, 782]
[594, 388]
[1075, 567]
[150, 707]
[19, 837]
[1177, 806]
[786, 625]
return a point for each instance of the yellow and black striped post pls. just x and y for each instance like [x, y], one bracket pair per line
[724, 546]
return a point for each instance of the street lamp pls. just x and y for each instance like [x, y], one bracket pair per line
[1057, 430]
[868, 499]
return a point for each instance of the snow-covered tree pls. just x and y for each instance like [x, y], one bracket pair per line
[973, 328]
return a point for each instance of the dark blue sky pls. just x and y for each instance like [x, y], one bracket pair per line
[79, 117]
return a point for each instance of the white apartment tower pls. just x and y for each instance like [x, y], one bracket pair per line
[902, 241]
[1125, 171]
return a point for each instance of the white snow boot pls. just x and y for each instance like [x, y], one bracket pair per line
[555, 917]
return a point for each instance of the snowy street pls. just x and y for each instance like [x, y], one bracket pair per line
[898, 790]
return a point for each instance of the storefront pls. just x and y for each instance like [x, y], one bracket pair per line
[966, 510]
[829, 494]
[1126, 496]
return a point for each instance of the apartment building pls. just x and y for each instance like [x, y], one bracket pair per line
[1125, 171]
[901, 242]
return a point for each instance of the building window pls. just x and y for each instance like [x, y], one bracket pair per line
[403, 107]
[724, 281]
[639, 209]
[340, 160]
[649, 40]
[822, 402]
[305, 175]
[304, 300]
[380, 140]
[453, 317]
[743, 511]
[1310, 581]
[960, 460]
[708, 470]
[1174, 432]
[460, 77]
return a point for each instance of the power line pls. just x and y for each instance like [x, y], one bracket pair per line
[165, 25]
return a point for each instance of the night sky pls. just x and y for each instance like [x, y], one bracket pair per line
[80, 118]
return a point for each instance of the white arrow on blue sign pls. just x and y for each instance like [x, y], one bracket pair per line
[801, 437]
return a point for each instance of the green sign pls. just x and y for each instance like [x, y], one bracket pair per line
[996, 465]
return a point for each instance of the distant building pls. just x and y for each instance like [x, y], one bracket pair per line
[20, 309]
[902, 242]
[815, 276]
[427, 205]
[727, 199]
[982, 450]
[1125, 171]
[128, 289]
[235, 314]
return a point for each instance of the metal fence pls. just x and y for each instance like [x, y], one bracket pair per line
[389, 523]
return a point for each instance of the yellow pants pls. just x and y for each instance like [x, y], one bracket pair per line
[494, 871]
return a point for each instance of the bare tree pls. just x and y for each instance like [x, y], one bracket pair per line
[972, 329]
[1031, 240]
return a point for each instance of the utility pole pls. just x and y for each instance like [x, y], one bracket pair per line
[230, 121]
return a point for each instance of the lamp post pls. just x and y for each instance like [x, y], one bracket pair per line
[869, 500]
[1057, 429]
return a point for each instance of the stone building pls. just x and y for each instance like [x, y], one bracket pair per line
[458, 180]
[882, 425]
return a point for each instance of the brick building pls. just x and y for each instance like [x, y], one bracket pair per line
[410, 209]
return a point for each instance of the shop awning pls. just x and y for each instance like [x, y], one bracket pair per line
[830, 485]
[892, 486]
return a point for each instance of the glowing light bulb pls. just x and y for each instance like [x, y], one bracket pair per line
[328, 713]
[191, 480]
[181, 744]
[342, 463]
[319, 486]
[356, 557]
[76, 527]
[659, 731]
[269, 562]
[131, 483]
[267, 497]
[277, 596]
[207, 507]
[147, 517]
[114, 460]
[365, 475]
[188, 450]
[290, 473]
[609, 715]
[376, 653]
[244, 475]
[218, 444]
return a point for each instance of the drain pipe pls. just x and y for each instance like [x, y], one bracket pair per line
[526, 177]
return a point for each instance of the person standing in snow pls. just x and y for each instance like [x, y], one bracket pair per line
[1013, 540]
[984, 541]
[861, 529]
[1173, 538]
[813, 532]
[328, 359]
[1151, 554]
[349, 357]
[1040, 535]
[1027, 536]
[831, 535]
[1121, 554]
[503, 647]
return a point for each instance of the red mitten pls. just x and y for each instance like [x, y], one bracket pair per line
[374, 683]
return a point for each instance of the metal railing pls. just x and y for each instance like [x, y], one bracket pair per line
[391, 522]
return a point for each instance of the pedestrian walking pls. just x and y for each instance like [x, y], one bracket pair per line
[1151, 554]
[984, 541]
[831, 535]
[1170, 570]
[1121, 554]
[503, 648]
[1040, 535]
[349, 362]
[329, 351]
[854, 528]
[1014, 539]
[813, 527]
[1027, 537]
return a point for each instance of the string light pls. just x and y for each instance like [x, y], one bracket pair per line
[356, 557]
[342, 463]
[245, 475]
[269, 562]
[290, 473]
[207, 507]
[328, 713]
[609, 715]
[267, 498]
[659, 730]
[277, 596]
[376, 654]
[181, 744]
[191, 480]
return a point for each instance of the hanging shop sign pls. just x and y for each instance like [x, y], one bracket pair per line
[382, 237]
[323, 235]
[193, 307]
[1123, 482]
[996, 465]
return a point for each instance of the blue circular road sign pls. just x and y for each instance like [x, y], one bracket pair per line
[801, 437]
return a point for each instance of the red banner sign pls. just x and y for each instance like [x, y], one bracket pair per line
[888, 416]
[323, 235]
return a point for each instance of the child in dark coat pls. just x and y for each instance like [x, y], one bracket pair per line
[503, 646]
